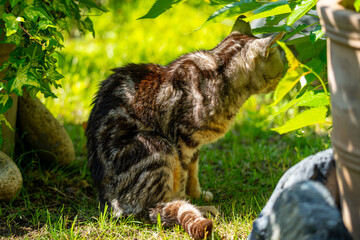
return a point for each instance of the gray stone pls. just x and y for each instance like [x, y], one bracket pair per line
[10, 178]
[43, 132]
[319, 167]
[315, 167]
[305, 210]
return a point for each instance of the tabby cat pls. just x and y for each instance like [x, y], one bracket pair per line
[149, 121]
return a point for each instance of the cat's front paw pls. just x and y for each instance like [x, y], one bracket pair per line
[207, 196]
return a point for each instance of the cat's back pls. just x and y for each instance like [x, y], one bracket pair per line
[127, 83]
[121, 109]
[123, 91]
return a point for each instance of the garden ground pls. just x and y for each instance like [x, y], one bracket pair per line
[241, 169]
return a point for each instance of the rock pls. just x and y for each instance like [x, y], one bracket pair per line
[306, 210]
[10, 178]
[316, 167]
[319, 167]
[43, 132]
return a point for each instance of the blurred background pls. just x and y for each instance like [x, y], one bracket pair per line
[121, 39]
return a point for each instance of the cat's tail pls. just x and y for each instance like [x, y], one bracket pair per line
[183, 213]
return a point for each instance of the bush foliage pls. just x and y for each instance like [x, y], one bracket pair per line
[306, 72]
[36, 28]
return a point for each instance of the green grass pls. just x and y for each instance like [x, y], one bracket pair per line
[241, 169]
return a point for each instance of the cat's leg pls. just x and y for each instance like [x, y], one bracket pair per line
[193, 188]
[144, 177]
[137, 172]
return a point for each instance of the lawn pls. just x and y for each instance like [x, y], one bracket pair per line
[241, 169]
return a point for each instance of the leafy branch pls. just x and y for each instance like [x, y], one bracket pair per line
[306, 59]
[31, 36]
[35, 28]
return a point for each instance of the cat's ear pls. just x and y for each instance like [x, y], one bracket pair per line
[269, 43]
[241, 26]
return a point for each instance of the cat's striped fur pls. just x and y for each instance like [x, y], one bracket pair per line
[149, 121]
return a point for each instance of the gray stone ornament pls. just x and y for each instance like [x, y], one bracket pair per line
[304, 204]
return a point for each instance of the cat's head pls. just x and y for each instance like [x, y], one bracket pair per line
[268, 63]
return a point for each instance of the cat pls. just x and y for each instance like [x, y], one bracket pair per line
[149, 121]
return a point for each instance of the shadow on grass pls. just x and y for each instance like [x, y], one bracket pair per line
[48, 194]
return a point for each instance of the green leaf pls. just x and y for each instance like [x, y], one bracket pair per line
[284, 108]
[317, 66]
[316, 34]
[293, 62]
[11, 24]
[275, 20]
[33, 13]
[14, 2]
[291, 78]
[23, 79]
[59, 36]
[270, 6]
[308, 50]
[310, 99]
[300, 10]
[52, 43]
[5, 102]
[15, 57]
[34, 51]
[303, 119]
[276, 11]
[262, 30]
[159, 7]
[220, 2]
[88, 25]
[29, 2]
[14, 38]
[270, 9]
[20, 19]
[2, 87]
[44, 24]
[357, 5]
[64, 23]
[236, 8]
[3, 119]
[53, 74]
[92, 4]
[298, 29]
[72, 8]
[61, 6]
